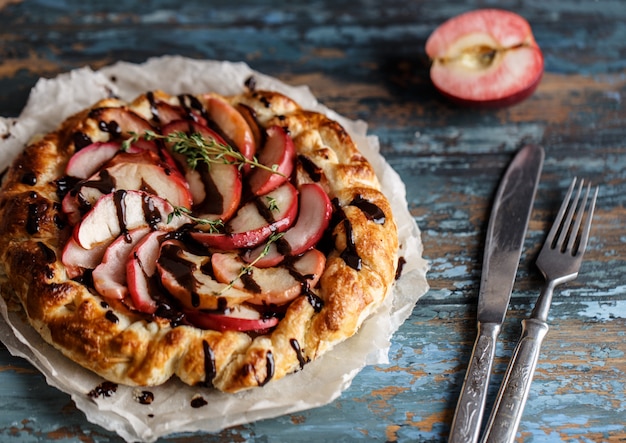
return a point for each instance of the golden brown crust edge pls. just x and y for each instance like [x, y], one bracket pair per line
[132, 349]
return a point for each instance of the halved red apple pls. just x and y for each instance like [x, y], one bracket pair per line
[109, 277]
[486, 57]
[122, 211]
[255, 221]
[231, 123]
[279, 155]
[275, 285]
[313, 218]
[239, 318]
[182, 274]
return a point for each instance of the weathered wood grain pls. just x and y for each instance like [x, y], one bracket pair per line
[365, 59]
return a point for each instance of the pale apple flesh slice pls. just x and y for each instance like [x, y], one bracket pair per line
[315, 211]
[183, 275]
[77, 259]
[274, 285]
[255, 221]
[109, 277]
[120, 212]
[150, 177]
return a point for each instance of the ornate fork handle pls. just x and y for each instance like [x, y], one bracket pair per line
[471, 404]
[509, 405]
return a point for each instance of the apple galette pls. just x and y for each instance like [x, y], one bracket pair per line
[225, 240]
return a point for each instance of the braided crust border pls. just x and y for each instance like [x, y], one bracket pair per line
[145, 351]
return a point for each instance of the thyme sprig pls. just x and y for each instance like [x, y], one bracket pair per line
[197, 148]
[248, 268]
[215, 225]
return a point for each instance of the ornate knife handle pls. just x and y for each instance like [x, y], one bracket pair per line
[509, 405]
[469, 410]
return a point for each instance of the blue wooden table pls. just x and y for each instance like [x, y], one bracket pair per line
[365, 59]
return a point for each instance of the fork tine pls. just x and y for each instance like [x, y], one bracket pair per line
[585, 234]
[580, 212]
[558, 221]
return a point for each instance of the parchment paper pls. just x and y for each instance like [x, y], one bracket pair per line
[50, 102]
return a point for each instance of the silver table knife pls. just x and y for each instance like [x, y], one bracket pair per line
[503, 247]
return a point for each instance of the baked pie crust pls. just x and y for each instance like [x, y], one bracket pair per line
[114, 339]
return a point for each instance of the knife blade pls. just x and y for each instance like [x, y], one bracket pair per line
[503, 247]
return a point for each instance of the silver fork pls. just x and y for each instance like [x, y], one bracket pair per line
[559, 262]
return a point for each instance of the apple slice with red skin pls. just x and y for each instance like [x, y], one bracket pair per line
[216, 188]
[255, 221]
[109, 277]
[182, 275]
[270, 286]
[314, 215]
[231, 123]
[486, 57]
[278, 154]
[120, 212]
[131, 172]
[239, 318]
[120, 122]
[249, 115]
[90, 159]
[140, 267]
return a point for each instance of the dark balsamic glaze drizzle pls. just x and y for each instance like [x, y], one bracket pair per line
[154, 110]
[151, 214]
[182, 270]
[296, 347]
[49, 254]
[314, 300]
[111, 317]
[213, 202]
[105, 183]
[270, 368]
[104, 389]
[249, 284]
[401, 263]
[111, 127]
[350, 254]
[36, 211]
[65, 185]
[198, 401]
[371, 211]
[210, 368]
[81, 140]
[312, 170]
[120, 208]
[144, 397]
[29, 178]
[250, 83]
[190, 104]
